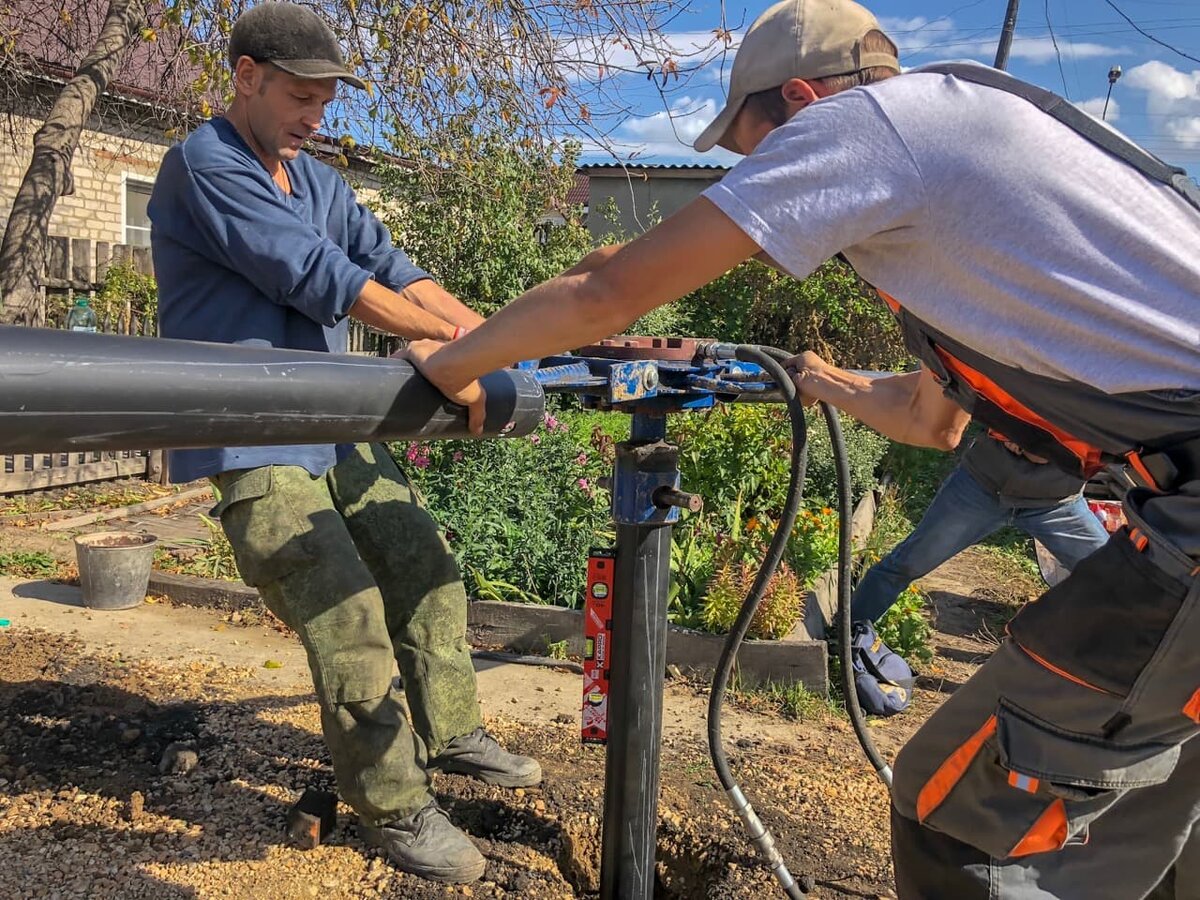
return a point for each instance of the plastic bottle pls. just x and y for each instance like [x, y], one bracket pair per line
[81, 317]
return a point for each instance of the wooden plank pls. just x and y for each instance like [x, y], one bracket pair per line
[103, 259]
[81, 260]
[62, 475]
[58, 267]
[156, 467]
[125, 512]
[820, 608]
[142, 261]
[120, 254]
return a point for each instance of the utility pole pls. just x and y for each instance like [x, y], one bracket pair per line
[1113, 74]
[1006, 34]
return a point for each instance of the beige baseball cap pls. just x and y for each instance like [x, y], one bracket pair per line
[796, 39]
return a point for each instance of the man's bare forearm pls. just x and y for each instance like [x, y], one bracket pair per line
[904, 407]
[433, 298]
[595, 259]
[388, 311]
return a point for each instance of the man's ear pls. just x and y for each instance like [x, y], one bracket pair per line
[799, 92]
[247, 74]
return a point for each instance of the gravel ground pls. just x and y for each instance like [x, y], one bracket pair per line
[86, 812]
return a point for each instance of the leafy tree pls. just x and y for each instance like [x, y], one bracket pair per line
[484, 227]
[535, 71]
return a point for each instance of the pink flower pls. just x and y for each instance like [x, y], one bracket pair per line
[581, 459]
[457, 456]
[421, 462]
[413, 451]
[535, 439]
[583, 484]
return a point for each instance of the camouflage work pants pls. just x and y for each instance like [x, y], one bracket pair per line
[355, 565]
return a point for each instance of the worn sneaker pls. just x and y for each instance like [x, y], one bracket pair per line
[479, 755]
[427, 844]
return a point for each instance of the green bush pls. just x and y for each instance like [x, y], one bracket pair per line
[832, 312]
[737, 566]
[905, 628]
[475, 217]
[738, 459]
[519, 514]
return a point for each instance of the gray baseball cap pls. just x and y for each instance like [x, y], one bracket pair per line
[292, 38]
[796, 39]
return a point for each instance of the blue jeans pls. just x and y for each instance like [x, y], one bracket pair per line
[964, 513]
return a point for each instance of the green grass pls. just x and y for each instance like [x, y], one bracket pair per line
[29, 564]
[791, 700]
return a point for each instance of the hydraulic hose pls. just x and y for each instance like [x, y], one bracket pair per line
[770, 358]
[845, 625]
[759, 834]
[841, 462]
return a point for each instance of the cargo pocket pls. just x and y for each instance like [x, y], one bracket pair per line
[269, 539]
[1020, 786]
[1104, 624]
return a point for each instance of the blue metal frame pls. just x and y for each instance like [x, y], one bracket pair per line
[653, 386]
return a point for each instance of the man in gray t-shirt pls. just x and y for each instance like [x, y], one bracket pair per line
[1050, 290]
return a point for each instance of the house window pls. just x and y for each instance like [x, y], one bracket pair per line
[137, 221]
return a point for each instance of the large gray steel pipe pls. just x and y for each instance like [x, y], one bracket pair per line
[64, 390]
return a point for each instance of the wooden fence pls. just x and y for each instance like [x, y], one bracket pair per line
[76, 266]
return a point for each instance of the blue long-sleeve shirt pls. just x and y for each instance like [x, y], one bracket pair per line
[239, 261]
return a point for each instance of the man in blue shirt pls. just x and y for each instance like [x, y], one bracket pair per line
[256, 242]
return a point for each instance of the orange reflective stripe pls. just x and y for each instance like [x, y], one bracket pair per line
[1191, 709]
[1027, 783]
[1062, 673]
[950, 772]
[1138, 539]
[1049, 832]
[892, 303]
[1135, 461]
[1088, 455]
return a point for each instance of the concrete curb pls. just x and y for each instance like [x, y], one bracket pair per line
[528, 628]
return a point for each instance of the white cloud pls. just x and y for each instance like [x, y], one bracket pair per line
[1172, 101]
[1095, 107]
[1041, 50]
[593, 57]
[942, 39]
[666, 135]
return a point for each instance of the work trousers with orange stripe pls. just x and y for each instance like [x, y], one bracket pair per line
[1066, 769]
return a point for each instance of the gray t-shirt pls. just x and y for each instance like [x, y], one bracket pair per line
[991, 222]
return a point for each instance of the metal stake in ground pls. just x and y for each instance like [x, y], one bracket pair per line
[645, 480]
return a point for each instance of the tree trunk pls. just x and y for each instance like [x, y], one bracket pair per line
[23, 252]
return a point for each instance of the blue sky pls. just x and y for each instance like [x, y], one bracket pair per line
[1156, 101]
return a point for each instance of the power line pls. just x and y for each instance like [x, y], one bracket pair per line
[1146, 34]
[1057, 52]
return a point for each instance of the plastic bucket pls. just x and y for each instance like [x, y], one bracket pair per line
[114, 568]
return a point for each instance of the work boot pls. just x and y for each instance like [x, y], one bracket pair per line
[427, 844]
[479, 755]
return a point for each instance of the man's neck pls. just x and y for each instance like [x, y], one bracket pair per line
[236, 115]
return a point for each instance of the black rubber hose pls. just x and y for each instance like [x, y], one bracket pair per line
[845, 625]
[758, 832]
[841, 461]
